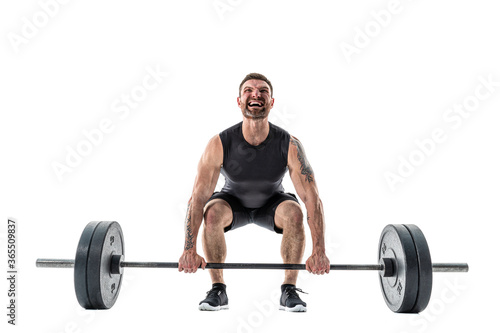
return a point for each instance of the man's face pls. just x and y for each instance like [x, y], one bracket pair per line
[255, 101]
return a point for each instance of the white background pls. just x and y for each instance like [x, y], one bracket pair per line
[356, 115]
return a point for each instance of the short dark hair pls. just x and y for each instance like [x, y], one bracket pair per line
[256, 76]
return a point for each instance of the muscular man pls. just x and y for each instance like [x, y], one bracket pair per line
[254, 156]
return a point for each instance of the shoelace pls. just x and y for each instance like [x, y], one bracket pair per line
[214, 292]
[292, 292]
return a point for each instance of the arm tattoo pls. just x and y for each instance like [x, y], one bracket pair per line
[305, 167]
[189, 231]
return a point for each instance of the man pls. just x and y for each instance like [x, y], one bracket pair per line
[253, 156]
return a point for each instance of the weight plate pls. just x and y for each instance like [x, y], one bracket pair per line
[103, 287]
[80, 269]
[400, 290]
[424, 268]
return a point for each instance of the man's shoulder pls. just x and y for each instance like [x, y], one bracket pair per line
[233, 128]
[280, 131]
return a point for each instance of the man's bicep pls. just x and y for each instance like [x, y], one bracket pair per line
[298, 161]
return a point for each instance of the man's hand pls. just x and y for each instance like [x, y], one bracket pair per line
[190, 261]
[318, 263]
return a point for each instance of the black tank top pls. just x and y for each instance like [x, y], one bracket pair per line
[254, 173]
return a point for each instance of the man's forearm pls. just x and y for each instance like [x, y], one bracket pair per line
[315, 220]
[194, 217]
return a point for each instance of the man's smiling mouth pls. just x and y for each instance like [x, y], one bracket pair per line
[255, 104]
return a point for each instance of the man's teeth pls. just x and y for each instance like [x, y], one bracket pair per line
[254, 104]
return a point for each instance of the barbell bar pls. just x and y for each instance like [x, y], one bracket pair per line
[70, 263]
[405, 267]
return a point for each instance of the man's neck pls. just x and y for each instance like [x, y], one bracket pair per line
[255, 131]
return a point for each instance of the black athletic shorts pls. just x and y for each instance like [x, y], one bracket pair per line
[263, 216]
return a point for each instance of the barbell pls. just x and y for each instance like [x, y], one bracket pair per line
[405, 267]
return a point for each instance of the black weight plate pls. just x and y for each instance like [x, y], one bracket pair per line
[104, 287]
[80, 269]
[400, 290]
[424, 268]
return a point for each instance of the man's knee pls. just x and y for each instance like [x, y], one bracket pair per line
[217, 214]
[290, 215]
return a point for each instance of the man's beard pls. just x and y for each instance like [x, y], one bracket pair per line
[259, 113]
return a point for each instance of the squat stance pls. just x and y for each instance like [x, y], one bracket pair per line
[254, 156]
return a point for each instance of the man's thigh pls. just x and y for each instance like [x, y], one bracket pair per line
[239, 215]
[219, 209]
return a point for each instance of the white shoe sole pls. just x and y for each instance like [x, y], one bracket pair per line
[296, 308]
[208, 307]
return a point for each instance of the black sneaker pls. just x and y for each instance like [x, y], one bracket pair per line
[216, 299]
[290, 301]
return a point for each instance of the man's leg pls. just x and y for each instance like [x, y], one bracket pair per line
[218, 215]
[289, 217]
